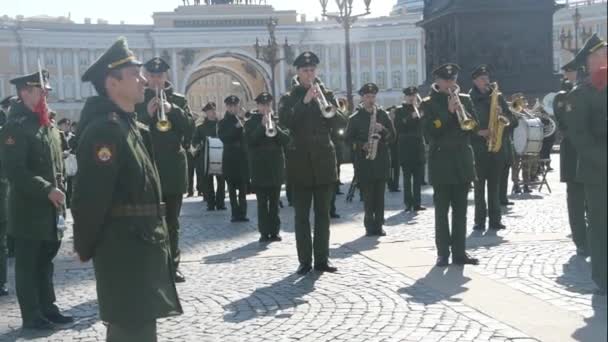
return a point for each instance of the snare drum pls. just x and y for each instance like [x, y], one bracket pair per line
[528, 136]
[214, 149]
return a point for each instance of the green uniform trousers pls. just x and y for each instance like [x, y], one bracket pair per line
[373, 201]
[596, 201]
[504, 183]
[444, 197]
[577, 209]
[215, 196]
[304, 197]
[268, 197]
[34, 277]
[237, 191]
[132, 332]
[491, 179]
[173, 204]
[413, 176]
[3, 227]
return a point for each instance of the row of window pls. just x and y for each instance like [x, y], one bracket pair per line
[335, 51]
[49, 57]
[395, 82]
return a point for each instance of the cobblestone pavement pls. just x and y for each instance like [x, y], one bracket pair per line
[239, 290]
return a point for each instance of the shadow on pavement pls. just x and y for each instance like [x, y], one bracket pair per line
[595, 328]
[247, 251]
[439, 284]
[577, 276]
[358, 246]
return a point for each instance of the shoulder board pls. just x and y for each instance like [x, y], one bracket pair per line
[142, 126]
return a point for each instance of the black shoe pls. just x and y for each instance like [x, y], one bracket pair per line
[465, 260]
[339, 192]
[527, 189]
[221, 208]
[334, 215]
[234, 219]
[582, 252]
[264, 238]
[442, 261]
[506, 203]
[210, 208]
[275, 238]
[200, 194]
[244, 219]
[479, 227]
[304, 269]
[409, 208]
[190, 194]
[39, 323]
[419, 208]
[498, 226]
[599, 292]
[326, 268]
[516, 189]
[3, 291]
[58, 318]
[381, 232]
[179, 277]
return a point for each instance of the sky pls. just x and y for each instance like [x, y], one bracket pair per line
[140, 11]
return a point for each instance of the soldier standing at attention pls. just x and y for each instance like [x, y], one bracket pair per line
[168, 140]
[451, 162]
[118, 213]
[208, 129]
[408, 124]
[33, 164]
[586, 114]
[234, 159]
[311, 164]
[489, 165]
[267, 166]
[372, 146]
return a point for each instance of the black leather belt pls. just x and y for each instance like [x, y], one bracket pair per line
[139, 210]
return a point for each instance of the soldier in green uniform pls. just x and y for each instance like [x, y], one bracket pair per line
[32, 161]
[168, 141]
[311, 164]
[208, 129]
[234, 159]
[489, 165]
[372, 144]
[585, 116]
[266, 145]
[118, 213]
[4, 105]
[451, 163]
[408, 124]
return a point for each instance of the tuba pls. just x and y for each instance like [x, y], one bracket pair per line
[162, 124]
[467, 123]
[327, 109]
[498, 122]
[372, 137]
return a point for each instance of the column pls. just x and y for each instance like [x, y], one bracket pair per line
[281, 75]
[23, 61]
[389, 72]
[41, 55]
[174, 70]
[326, 63]
[92, 58]
[373, 58]
[343, 68]
[76, 62]
[59, 62]
[2, 87]
[419, 62]
[404, 64]
[358, 65]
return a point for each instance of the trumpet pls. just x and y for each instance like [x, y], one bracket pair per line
[162, 124]
[271, 128]
[327, 109]
[467, 123]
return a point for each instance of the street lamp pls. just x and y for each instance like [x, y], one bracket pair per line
[270, 55]
[346, 18]
[566, 38]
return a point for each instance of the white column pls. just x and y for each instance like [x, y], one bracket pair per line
[281, 75]
[76, 62]
[358, 65]
[174, 69]
[59, 61]
[326, 63]
[389, 71]
[343, 68]
[404, 64]
[373, 63]
[2, 87]
[42, 57]
[420, 64]
[24, 61]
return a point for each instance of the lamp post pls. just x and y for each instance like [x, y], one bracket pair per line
[346, 18]
[565, 39]
[270, 53]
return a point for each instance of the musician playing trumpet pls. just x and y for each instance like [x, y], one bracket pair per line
[408, 124]
[448, 122]
[266, 141]
[491, 155]
[371, 131]
[170, 122]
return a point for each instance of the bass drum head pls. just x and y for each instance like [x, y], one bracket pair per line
[528, 136]
[520, 136]
[215, 149]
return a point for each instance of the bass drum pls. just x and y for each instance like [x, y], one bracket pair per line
[214, 148]
[528, 136]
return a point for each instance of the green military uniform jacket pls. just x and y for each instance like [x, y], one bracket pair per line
[235, 166]
[482, 103]
[311, 155]
[409, 136]
[451, 159]
[266, 156]
[33, 163]
[568, 156]
[118, 219]
[171, 159]
[586, 115]
[357, 134]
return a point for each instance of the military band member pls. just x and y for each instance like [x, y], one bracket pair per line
[412, 156]
[30, 148]
[374, 161]
[311, 164]
[393, 182]
[118, 215]
[234, 159]
[167, 142]
[267, 159]
[489, 165]
[4, 106]
[586, 114]
[451, 162]
[215, 197]
[577, 206]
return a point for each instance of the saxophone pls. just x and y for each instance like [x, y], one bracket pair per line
[372, 137]
[497, 123]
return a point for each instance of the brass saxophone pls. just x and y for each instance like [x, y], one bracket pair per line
[467, 123]
[497, 122]
[373, 137]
